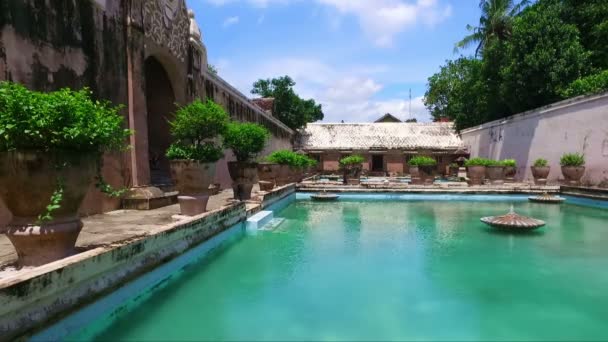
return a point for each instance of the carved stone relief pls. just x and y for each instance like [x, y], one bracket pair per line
[166, 22]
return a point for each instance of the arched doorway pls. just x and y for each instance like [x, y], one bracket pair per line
[160, 102]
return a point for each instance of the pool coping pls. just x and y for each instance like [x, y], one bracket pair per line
[34, 297]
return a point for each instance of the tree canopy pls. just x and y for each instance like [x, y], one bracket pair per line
[292, 110]
[527, 56]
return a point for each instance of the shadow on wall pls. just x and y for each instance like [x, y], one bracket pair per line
[517, 141]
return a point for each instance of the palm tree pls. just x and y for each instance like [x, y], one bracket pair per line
[496, 22]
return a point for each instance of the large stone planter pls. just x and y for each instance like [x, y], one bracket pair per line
[192, 179]
[476, 174]
[283, 175]
[427, 173]
[510, 173]
[269, 174]
[244, 175]
[296, 174]
[415, 175]
[352, 174]
[573, 174]
[540, 174]
[27, 182]
[496, 174]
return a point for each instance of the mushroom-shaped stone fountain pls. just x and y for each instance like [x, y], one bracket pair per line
[513, 222]
[546, 198]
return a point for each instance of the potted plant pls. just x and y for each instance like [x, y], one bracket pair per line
[495, 171]
[51, 147]
[426, 168]
[476, 170]
[573, 167]
[540, 171]
[195, 151]
[510, 170]
[246, 140]
[351, 169]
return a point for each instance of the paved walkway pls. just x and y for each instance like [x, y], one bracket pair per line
[120, 225]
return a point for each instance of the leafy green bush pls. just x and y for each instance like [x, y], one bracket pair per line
[422, 161]
[206, 153]
[287, 157]
[540, 162]
[59, 120]
[591, 84]
[194, 127]
[509, 163]
[572, 159]
[246, 140]
[352, 160]
[478, 162]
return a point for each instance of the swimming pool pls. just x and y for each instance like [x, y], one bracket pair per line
[384, 268]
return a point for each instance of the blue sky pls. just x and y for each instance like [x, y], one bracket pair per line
[358, 58]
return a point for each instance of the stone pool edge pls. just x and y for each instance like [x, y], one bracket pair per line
[35, 297]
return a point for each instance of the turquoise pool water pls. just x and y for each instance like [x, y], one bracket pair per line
[386, 270]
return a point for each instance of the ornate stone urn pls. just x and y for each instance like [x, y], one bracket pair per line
[296, 174]
[496, 174]
[415, 175]
[193, 180]
[244, 176]
[427, 173]
[268, 174]
[510, 173]
[540, 174]
[573, 174]
[28, 181]
[476, 174]
[284, 175]
[352, 174]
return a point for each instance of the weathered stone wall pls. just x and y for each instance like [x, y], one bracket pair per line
[576, 125]
[48, 45]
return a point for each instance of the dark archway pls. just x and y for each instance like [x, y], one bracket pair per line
[160, 102]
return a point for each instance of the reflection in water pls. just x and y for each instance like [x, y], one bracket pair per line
[392, 270]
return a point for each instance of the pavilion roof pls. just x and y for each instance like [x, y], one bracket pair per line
[370, 136]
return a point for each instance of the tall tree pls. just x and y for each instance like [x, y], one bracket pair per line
[544, 56]
[458, 92]
[495, 23]
[591, 19]
[292, 110]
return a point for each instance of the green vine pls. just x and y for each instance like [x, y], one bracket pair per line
[103, 186]
[55, 203]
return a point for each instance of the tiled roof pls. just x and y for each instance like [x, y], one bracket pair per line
[364, 136]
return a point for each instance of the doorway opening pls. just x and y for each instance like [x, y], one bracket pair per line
[377, 163]
[160, 102]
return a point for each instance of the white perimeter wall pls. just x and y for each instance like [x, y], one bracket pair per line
[575, 125]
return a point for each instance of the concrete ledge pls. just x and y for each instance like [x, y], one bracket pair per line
[586, 192]
[36, 296]
[438, 188]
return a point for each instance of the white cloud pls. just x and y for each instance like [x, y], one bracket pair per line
[231, 21]
[256, 3]
[347, 93]
[380, 20]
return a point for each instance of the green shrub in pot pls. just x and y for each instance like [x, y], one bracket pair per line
[351, 169]
[51, 148]
[247, 141]
[573, 167]
[196, 130]
[540, 171]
